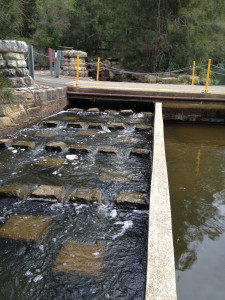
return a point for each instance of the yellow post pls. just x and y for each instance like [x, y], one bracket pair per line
[207, 79]
[98, 69]
[193, 73]
[77, 71]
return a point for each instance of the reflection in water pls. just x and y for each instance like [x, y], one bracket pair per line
[198, 208]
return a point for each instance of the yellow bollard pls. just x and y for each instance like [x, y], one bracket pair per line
[193, 73]
[77, 71]
[98, 69]
[207, 79]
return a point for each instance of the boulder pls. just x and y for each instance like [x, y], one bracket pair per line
[56, 146]
[79, 148]
[54, 162]
[50, 192]
[25, 227]
[108, 151]
[139, 152]
[96, 126]
[24, 145]
[126, 112]
[86, 196]
[130, 198]
[15, 191]
[86, 133]
[115, 177]
[143, 128]
[116, 126]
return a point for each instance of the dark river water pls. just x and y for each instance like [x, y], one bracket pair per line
[196, 168]
[26, 268]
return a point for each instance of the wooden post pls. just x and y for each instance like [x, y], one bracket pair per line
[77, 79]
[207, 79]
[57, 64]
[31, 61]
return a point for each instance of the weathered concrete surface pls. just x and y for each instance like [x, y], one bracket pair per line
[161, 282]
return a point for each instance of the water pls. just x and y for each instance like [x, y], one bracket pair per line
[196, 168]
[26, 267]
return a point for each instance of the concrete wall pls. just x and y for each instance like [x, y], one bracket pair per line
[161, 282]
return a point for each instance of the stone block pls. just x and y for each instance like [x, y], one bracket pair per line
[143, 128]
[9, 72]
[75, 125]
[50, 192]
[130, 198]
[5, 122]
[86, 196]
[21, 72]
[25, 227]
[108, 151]
[21, 64]
[13, 46]
[17, 82]
[56, 146]
[23, 144]
[34, 111]
[41, 94]
[115, 177]
[14, 56]
[80, 259]
[74, 53]
[140, 152]
[79, 148]
[54, 162]
[11, 63]
[96, 126]
[73, 73]
[54, 94]
[116, 126]
[127, 140]
[93, 110]
[50, 123]
[28, 81]
[76, 109]
[16, 191]
[2, 64]
[126, 112]
[4, 143]
[86, 133]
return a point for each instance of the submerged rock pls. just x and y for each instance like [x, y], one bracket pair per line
[89, 196]
[24, 144]
[115, 177]
[4, 143]
[86, 133]
[130, 198]
[56, 146]
[140, 152]
[93, 110]
[96, 126]
[75, 125]
[25, 227]
[116, 126]
[127, 140]
[79, 148]
[51, 123]
[80, 258]
[16, 191]
[126, 112]
[108, 151]
[143, 128]
[50, 192]
[54, 162]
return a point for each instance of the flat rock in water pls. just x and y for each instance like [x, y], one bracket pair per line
[51, 123]
[56, 146]
[46, 134]
[140, 152]
[54, 162]
[96, 126]
[75, 125]
[79, 148]
[126, 112]
[87, 196]
[143, 128]
[25, 227]
[116, 126]
[130, 198]
[86, 133]
[127, 140]
[115, 177]
[70, 118]
[75, 109]
[24, 145]
[80, 259]
[16, 191]
[50, 192]
[108, 151]
[93, 110]
[4, 143]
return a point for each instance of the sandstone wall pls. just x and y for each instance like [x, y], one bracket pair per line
[70, 63]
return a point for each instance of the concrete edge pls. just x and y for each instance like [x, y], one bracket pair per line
[160, 277]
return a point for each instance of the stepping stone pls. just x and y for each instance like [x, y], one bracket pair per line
[86, 133]
[111, 111]
[70, 118]
[16, 191]
[127, 140]
[140, 152]
[25, 227]
[4, 143]
[147, 113]
[116, 126]
[50, 192]
[75, 109]
[54, 162]
[74, 125]
[79, 148]
[96, 126]
[85, 196]
[108, 151]
[143, 128]
[50, 124]
[126, 112]
[134, 121]
[24, 144]
[80, 259]
[46, 134]
[130, 198]
[93, 110]
[115, 177]
[56, 146]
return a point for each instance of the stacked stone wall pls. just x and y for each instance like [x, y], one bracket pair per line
[70, 63]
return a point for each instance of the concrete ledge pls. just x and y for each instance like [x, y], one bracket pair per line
[160, 278]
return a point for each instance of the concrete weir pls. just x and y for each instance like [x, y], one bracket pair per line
[160, 280]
